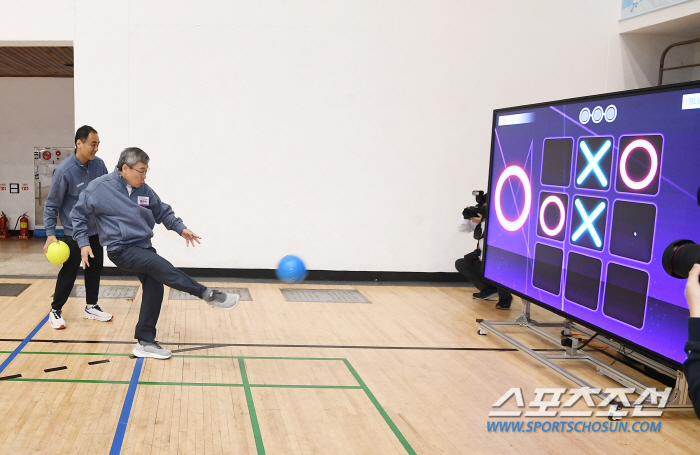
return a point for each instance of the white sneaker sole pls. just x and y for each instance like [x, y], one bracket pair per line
[216, 305]
[93, 316]
[60, 327]
[150, 355]
[238, 299]
[234, 305]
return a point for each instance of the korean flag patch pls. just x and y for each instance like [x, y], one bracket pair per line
[143, 201]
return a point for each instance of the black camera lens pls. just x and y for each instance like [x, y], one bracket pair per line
[679, 257]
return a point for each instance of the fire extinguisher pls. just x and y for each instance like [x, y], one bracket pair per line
[4, 226]
[23, 227]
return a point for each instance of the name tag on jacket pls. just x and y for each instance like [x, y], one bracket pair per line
[143, 200]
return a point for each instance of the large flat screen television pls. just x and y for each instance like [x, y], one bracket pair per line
[584, 196]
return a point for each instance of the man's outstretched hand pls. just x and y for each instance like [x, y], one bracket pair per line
[190, 236]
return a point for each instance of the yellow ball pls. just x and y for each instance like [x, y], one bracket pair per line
[58, 253]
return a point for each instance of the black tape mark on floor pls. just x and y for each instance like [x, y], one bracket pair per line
[96, 362]
[49, 370]
[11, 377]
[223, 345]
[199, 346]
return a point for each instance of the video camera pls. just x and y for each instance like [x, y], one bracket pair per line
[478, 209]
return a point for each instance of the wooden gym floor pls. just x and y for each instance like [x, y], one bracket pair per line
[406, 373]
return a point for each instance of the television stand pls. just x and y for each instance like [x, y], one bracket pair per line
[677, 401]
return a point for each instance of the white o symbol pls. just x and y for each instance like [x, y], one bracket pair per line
[610, 113]
[597, 114]
[584, 116]
[513, 171]
[562, 215]
[639, 143]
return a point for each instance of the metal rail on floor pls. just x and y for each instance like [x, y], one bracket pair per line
[678, 399]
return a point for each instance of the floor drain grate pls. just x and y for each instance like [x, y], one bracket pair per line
[242, 292]
[12, 289]
[108, 292]
[324, 295]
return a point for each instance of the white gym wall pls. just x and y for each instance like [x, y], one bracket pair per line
[350, 133]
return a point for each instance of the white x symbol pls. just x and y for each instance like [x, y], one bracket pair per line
[593, 163]
[587, 224]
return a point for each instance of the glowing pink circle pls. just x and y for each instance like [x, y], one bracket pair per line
[562, 215]
[513, 171]
[639, 143]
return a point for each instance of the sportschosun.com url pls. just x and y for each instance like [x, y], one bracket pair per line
[571, 426]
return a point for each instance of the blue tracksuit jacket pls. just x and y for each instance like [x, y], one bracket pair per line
[69, 180]
[121, 219]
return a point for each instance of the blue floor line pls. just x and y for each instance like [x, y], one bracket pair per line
[23, 344]
[126, 409]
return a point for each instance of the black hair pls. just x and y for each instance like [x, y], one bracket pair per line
[83, 133]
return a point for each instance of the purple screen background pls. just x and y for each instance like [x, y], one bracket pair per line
[509, 257]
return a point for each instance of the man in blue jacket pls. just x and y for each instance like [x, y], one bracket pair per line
[125, 210]
[70, 178]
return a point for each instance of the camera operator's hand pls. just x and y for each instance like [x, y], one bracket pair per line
[477, 219]
[692, 291]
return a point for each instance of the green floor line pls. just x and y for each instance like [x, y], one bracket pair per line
[251, 409]
[247, 386]
[189, 384]
[310, 386]
[109, 354]
[381, 410]
[290, 358]
[192, 384]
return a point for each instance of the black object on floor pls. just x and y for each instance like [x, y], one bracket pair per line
[11, 377]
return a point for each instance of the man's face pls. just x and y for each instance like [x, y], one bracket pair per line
[88, 149]
[135, 176]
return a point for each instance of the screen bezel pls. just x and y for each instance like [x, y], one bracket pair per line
[622, 94]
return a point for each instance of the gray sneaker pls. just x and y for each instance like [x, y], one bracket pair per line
[153, 350]
[221, 299]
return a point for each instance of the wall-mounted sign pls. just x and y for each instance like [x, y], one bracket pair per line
[631, 8]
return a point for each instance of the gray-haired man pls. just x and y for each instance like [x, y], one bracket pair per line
[125, 210]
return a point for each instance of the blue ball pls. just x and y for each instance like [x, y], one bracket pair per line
[291, 269]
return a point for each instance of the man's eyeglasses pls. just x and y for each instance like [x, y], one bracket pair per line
[142, 172]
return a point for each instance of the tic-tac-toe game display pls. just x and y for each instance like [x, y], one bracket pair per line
[585, 195]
